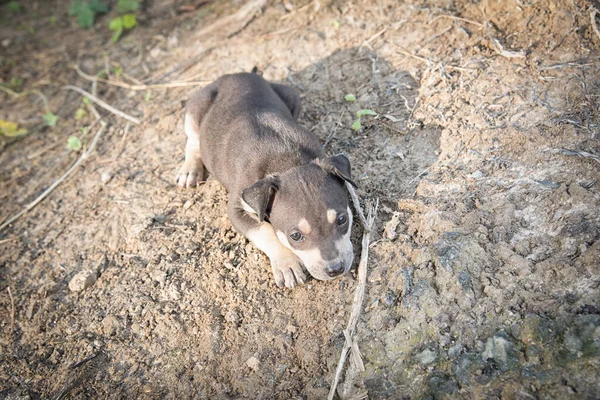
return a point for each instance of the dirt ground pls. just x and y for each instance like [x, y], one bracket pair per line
[484, 276]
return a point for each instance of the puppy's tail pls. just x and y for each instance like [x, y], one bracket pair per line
[256, 71]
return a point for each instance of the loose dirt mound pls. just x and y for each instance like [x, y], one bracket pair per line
[484, 276]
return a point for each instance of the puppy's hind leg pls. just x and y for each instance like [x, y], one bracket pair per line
[192, 172]
[290, 97]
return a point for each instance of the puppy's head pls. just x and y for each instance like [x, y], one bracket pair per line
[308, 208]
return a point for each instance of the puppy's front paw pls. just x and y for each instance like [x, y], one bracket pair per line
[288, 271]
[190, 174]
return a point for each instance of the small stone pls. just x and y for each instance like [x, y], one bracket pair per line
[188, 204]
[110, 324]
[291, 328]
[82, 281]
[253, 363]
[426, 357]
[159, 276]
[105, 177]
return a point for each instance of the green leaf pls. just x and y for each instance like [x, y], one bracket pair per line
[98, 6]
[118, 72]
[85, 16]
[86, 100]
[129, 21]
[148, 95]
[117, 35]
[335, 23]
[128, 5]
[75, 7]
[10, 129]
[366, 111]
[73, 143]
[51, 119]
[115, 24]
[356, 125]
[80, 113]
[14, 6]
[350, 98]
[53, 20]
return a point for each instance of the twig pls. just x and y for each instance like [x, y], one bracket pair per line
[500, 49]
[8, 240]
[16, 95]
[356, 203]
[593, 13]
[332, 133]
[41, 197]
[291, 79]
[350, 344]
[584, 154]
[234, 23]
[12, 310]
[479, 24]
[103, 104]
[135, 87]
[406, 53]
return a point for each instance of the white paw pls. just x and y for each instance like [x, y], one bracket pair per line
[190, 174]
[288, 271]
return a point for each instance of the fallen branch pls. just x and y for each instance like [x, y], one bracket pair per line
[135, 87]
[350, 345]
[103, 104]
[42, 196]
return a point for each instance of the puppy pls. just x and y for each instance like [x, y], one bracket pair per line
[285, 196]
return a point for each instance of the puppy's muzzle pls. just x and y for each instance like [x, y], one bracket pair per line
[336, 269]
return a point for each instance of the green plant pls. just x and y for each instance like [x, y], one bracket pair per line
[128, 5]
[120, 24]
[356, 125]
[50, 119]
[86, 11]
[350, 98]
[14, 6]
[73, 143]
[11, 129]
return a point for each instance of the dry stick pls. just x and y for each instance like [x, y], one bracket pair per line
[103, 104]
[41, 197]
[12, 310]
[359, 294]
[356, 203]
[593, 12]
[135, 87]
[8, 240]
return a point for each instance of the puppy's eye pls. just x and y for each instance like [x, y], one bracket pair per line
[342, 219]
[296, 236]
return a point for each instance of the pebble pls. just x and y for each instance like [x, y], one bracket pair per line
[426, 357]
[253, 363]
[110, 324]
[105, 177]
[82, 281]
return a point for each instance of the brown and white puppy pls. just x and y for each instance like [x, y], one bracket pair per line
[284, 194]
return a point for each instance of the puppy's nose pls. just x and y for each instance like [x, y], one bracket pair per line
[335, 269]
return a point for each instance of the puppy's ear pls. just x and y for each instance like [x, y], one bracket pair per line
[339, 166]
[258, 198]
